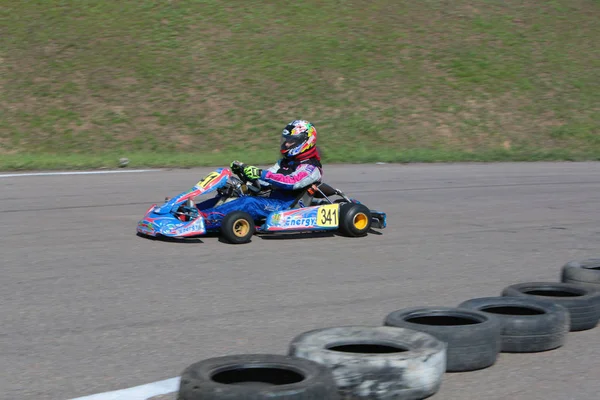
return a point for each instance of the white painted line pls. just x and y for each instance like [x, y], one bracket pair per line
[77, 173]
[142, 392]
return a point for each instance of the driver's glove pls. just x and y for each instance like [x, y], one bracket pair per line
[237, 167]
[252, 172]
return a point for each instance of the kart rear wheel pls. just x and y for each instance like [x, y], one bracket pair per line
[237, 227]
[355, 219]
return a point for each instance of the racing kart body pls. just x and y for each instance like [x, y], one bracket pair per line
[312, 210]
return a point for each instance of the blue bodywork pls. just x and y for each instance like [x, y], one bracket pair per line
[163, 220]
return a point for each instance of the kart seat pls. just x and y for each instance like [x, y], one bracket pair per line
[305, 196]
[302, 198]
[326, 189]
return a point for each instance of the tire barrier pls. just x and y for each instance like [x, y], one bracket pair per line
[586, 272]
[408, 356]
[528, 325]
[583, 303]
[473, 337]
[257, 377]
[376, 363]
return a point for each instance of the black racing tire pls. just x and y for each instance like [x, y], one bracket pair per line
[586, 272]
[257, 377]
[237, 227]
[528, 325]
[376, 363]
[355, 219]
[582, 302]
[473, 338]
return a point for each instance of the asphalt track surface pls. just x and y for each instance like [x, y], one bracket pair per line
[87, 306]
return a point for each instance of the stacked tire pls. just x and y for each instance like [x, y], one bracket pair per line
[472, 337]
[586, 273]
[257, 377]
[527, 325]
[582, 302]
[376, 363]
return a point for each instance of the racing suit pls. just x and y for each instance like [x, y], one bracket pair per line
[286, 178]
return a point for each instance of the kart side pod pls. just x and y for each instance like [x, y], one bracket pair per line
[314, 218]
[351, 219]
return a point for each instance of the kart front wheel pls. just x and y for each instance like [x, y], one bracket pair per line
[237, 227]
[355, 219]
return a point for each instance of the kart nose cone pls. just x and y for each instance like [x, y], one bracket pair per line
[147, 227]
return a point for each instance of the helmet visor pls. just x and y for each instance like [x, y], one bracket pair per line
[291, 141]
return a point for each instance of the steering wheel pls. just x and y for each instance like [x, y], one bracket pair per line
[254, 185]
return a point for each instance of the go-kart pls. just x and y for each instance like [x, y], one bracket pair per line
[312, 210]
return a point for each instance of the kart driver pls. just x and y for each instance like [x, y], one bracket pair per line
[299, 167]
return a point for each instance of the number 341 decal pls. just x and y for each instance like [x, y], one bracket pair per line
[328, 215]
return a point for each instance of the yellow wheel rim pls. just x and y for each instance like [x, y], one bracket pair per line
[360, 221]
[241, 227]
